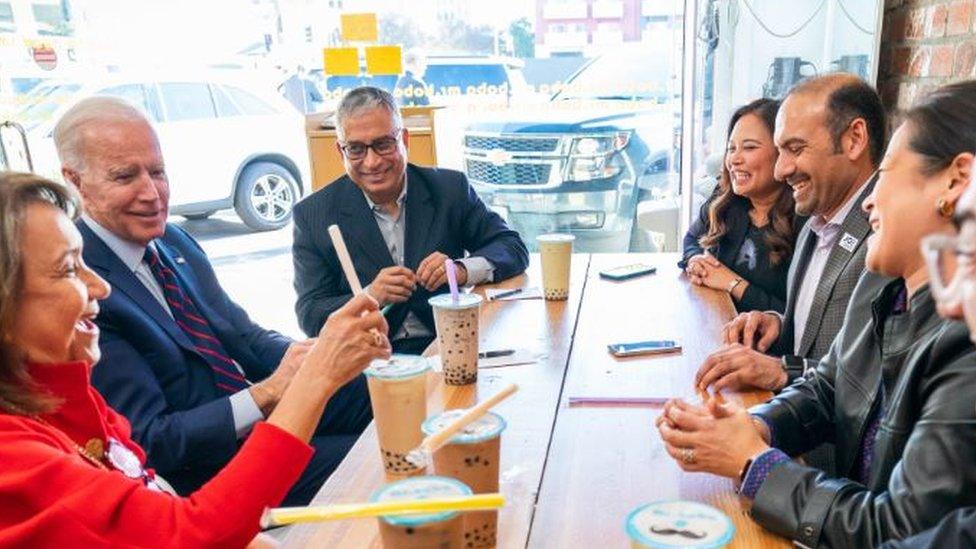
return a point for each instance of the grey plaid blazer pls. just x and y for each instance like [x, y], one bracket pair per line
[844, 267]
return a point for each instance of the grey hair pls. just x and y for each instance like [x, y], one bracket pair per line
[18, 191]
[366, 98]
[70, 130]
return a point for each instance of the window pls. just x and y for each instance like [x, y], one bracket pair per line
[134, 94]
[249, 103]
[187, 101]
[51, 19]
[7, 18]
[42, 102]
[760, 48]
[466, 78]
[225, 107]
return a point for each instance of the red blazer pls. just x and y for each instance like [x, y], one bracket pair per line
[50, 496]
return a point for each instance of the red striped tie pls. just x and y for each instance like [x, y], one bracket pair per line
[226, 375]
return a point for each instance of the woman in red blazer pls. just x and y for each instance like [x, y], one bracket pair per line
[70, 474]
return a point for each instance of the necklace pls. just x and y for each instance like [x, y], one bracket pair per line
[93, 452]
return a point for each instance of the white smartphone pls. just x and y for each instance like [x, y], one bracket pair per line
[644, 347]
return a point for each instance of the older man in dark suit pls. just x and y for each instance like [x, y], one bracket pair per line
[401, 223]
[180, 359]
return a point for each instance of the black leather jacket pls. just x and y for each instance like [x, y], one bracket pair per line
[925, 449]
[956, 531]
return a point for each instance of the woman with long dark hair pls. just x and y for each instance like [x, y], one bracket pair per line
[742, 242]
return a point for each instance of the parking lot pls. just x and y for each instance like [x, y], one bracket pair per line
[254, 268]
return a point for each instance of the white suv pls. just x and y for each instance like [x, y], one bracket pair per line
[227, 144]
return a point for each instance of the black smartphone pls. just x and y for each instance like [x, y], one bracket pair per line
[644, 347]
[627, 271]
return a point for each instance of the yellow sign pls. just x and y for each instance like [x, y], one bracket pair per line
[341, 61]
[359, 27]
[384, 60]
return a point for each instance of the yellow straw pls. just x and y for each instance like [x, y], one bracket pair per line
[292, 515]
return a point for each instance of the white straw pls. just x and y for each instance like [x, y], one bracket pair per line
[340, 245]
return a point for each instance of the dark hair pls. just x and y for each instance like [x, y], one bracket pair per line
[858, 100]
[944, 125]
[781, 239]
[848, 99]
[18, 393]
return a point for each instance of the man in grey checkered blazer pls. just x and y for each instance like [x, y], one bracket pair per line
[831, 134]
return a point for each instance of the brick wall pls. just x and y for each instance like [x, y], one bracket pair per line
[925, 43]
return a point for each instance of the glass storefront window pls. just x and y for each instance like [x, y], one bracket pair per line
[566, 115]
[747, 49]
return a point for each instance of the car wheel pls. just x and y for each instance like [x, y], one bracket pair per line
[199, 216]
[266, 194]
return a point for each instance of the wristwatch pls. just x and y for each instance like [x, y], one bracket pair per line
[793, 365]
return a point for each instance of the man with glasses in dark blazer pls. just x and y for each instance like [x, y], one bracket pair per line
[401, 222]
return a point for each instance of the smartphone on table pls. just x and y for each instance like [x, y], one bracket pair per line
[651, 347]
[626, 272]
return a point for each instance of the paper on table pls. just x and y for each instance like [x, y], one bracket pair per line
[526, 293]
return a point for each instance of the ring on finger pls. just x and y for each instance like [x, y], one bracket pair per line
[688, 455]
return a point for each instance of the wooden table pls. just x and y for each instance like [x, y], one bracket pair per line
[571, 475]
[604, 462]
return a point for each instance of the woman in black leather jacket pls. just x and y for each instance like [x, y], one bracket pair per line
[895, 392]
[955, 297]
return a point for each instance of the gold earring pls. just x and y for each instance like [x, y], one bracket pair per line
[945, 208]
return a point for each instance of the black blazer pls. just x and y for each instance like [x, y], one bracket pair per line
[443, 214]
[756, 297]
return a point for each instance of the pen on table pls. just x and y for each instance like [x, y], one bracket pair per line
[494, 354]
[509, 293]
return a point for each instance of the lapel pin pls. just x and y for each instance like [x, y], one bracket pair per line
[848, 242]
[179, 260]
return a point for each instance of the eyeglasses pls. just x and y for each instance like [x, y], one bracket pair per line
[940, 251]
[383, 146]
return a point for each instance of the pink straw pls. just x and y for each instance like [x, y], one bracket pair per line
[451, 278]
[639, 402]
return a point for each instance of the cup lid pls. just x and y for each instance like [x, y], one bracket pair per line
[397, 367]
[423, 487]
[555, 237]
[444, 301]
[668, 524]
[486, 427]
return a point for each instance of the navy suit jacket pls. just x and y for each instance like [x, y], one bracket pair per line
[443, 214]
[150, 372]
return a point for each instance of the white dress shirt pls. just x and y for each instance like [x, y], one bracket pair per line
[393, 230]
[244, 409]
[828, 232]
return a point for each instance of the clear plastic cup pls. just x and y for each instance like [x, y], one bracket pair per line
[556, 251]
[457, 336]
[398, 392]
[472, 456]
[442, 530]
[670, 524]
